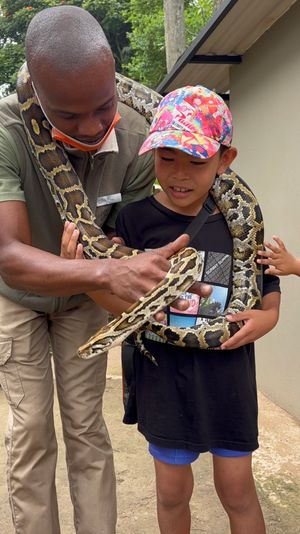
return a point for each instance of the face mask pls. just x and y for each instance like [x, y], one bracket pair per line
[58, 135]
[85, 147]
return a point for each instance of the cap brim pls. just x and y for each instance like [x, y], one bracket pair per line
[196, 145]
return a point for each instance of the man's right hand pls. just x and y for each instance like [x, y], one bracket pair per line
[128, 279]
[132, 278]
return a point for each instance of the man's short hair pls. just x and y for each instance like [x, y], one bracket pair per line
[65, 37]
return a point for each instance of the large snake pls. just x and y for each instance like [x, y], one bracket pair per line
[232, 196]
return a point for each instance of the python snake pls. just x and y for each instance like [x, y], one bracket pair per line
[232, 196]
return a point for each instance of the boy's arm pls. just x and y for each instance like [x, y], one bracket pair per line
[257, 322]
[278, 259]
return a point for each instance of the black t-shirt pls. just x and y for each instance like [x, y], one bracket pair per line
[195, 399]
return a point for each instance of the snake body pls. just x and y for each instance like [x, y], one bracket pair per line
[232, 196]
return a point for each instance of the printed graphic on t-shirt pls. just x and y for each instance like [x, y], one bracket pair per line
[217, 268]
[215, 304]
[217, 273]
[187, 317]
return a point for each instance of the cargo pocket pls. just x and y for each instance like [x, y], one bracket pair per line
[10, 379]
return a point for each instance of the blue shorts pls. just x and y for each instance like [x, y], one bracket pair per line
[185, 456]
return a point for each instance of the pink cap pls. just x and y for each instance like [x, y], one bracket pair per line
[193, 119]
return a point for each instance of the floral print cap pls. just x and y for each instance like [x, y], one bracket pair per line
[193, 119]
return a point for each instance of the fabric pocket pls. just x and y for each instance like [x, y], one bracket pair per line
[10, 379]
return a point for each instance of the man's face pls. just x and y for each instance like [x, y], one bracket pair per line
[81, 105]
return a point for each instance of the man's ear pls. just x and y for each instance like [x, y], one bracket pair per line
[226, 159]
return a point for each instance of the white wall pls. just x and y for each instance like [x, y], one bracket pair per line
[265, 102]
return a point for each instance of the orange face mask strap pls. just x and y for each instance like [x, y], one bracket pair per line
[57, 135]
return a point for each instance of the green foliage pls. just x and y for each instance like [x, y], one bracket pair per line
[148, 61]
[11, 58]
[110, 15]
[15, 16]
[196, 15]
[134, 28]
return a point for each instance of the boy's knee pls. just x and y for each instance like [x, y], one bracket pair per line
[236, 498]
[170, 497]
[171, 494]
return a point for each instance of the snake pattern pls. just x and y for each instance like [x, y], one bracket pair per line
[231, 195]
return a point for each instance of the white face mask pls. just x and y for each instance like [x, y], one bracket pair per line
[58, 135]
[40, 104]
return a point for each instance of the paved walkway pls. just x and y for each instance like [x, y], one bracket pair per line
[276, 466]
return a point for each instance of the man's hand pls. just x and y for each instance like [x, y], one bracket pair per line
[139, 274]
[144, 265]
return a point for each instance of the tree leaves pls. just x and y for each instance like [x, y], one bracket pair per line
[148, 61]
[134, 28]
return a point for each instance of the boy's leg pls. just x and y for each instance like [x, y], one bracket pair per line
[26, 379]
[80, 387]
[174, 487]
[235, 486]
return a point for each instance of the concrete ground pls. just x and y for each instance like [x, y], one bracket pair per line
[276, 468]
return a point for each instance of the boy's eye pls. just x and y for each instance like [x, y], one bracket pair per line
[197, 162]
[164, 158]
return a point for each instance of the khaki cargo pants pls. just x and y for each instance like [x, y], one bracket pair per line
[27, 381]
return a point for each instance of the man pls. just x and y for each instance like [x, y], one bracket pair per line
[42, 295]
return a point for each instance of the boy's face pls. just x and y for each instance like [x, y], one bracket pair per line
[186, 180]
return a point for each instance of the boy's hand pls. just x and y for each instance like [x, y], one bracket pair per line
[70, 248]
[257, 323]
[280, 261]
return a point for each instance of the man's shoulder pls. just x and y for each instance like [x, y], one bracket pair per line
[9, 110]
[131, 121]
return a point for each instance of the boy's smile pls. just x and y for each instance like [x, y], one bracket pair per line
[185, 179]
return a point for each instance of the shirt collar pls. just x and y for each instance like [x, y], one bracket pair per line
[109, 146]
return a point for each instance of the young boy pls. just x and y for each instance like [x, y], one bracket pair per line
[196, 400]
[279, 260]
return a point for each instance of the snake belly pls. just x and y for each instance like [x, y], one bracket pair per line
[232, 196]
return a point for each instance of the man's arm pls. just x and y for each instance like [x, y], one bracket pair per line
[25, 267]
[71, 249]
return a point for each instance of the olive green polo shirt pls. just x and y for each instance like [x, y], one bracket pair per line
[104, 176]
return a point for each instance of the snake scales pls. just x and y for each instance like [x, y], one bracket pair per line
[232, 196]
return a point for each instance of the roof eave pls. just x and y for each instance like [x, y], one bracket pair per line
[213, 23]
